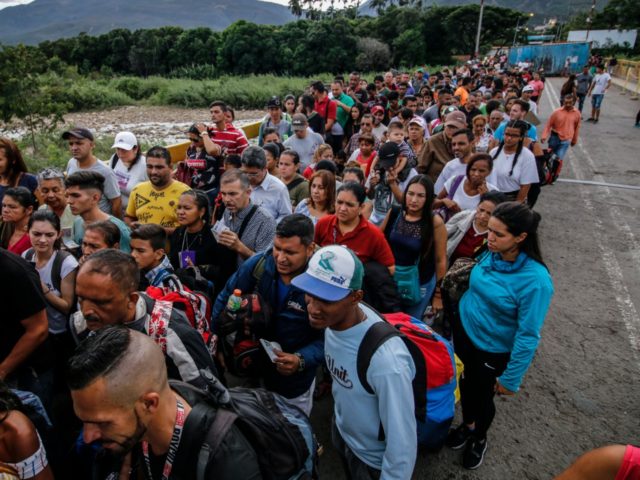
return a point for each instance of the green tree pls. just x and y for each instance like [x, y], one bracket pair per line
[24, 93]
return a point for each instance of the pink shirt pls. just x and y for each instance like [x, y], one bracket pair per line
[538, 86]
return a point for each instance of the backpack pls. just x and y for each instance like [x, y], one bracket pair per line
[280, 433]
[56, 273]
[549, 166]
[435, 381]
[196, 307]
[56, 268]
[240, 333]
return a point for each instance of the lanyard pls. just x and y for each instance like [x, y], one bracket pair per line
[173, 446]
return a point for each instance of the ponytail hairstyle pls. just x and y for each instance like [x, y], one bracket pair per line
[201, 200]
[523, 127]
[518, 218]
[52, 219]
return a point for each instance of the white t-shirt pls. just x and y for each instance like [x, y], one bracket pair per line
[305, 147]
[524, 173]
[128, 179]
[57, 320]
[600, 83]
[453, 168]
[464, 201]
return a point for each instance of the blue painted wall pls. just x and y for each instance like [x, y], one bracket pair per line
[551, 56]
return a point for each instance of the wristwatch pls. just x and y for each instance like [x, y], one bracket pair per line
[301, 359]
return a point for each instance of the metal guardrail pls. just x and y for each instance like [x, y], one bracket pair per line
[628, 72]
[179, 150]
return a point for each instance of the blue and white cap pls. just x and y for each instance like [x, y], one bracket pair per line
[333, 272]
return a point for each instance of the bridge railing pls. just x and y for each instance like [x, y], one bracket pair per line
[628, 72]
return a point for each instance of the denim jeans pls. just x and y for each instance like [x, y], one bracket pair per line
[426, 292]
[559, 147]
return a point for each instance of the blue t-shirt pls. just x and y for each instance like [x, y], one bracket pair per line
[27, 180]
[499, 133]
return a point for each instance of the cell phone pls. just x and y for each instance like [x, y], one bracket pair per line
[185, 256]
[270, 348]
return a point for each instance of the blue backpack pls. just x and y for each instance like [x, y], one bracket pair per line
[435, 381]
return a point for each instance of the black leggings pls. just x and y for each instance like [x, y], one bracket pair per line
[477, 384]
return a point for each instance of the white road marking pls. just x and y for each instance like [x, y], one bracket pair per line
[614, 272]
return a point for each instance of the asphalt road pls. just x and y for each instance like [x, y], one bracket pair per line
[582, 390]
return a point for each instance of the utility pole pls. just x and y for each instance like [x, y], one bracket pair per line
[477, 49]
[590, 19]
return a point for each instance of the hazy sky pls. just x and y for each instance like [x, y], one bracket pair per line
[9, 3]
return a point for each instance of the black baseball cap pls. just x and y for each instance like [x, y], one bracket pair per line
[78, 132]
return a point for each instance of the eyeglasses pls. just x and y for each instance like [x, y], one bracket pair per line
[367, 124]
[512, 135]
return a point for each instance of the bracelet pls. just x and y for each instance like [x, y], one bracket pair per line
[47, 292]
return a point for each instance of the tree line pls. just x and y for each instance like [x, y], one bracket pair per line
[334, 43]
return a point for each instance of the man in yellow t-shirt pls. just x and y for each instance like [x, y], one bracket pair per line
[155, 201]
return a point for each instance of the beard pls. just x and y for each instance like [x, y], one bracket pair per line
[125, 446]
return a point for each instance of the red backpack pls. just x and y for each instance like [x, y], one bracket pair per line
[195, 305]
[435, 380]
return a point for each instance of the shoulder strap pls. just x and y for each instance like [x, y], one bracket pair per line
[30, 255]
[258, 269]
[396, 211]
[114, 161]
[245, 222]
[56, 269]
[219, 428]
[297, 181]
[377, 334]
[454, 186]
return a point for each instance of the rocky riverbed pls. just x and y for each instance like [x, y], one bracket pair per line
[149, 124]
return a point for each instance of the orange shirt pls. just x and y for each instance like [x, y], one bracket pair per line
[463, 93]
[566, 123]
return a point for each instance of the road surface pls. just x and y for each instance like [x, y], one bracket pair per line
[583, 389]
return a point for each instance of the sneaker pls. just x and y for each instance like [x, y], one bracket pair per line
[589, 119]
[474, 453]
[457, 438]
[595, 120]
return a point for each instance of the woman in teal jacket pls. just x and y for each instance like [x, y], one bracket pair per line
[501, 316]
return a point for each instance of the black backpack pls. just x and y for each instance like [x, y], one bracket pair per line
[280, 433]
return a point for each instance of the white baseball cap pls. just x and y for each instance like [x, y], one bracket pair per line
[333, 272]
[125, 140]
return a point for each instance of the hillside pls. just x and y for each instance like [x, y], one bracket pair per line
[542, 9]
[51, 19]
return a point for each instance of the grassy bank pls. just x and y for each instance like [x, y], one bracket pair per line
[242, 92]
[51, 151]
[84, 93]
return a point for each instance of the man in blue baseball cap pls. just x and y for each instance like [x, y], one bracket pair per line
[333, 287]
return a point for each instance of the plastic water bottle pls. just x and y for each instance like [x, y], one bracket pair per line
[235, 301]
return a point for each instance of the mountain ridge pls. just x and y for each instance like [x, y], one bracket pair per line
[45, 19]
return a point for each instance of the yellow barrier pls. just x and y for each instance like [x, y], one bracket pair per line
[179, 150]
[629, 72]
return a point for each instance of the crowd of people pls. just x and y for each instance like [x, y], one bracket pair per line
[266, 265]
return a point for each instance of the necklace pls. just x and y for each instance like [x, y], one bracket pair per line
[186, 245]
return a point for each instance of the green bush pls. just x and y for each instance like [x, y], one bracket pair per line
[91, 95]
[138, 88]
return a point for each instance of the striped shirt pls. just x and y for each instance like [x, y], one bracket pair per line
[232, 140]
